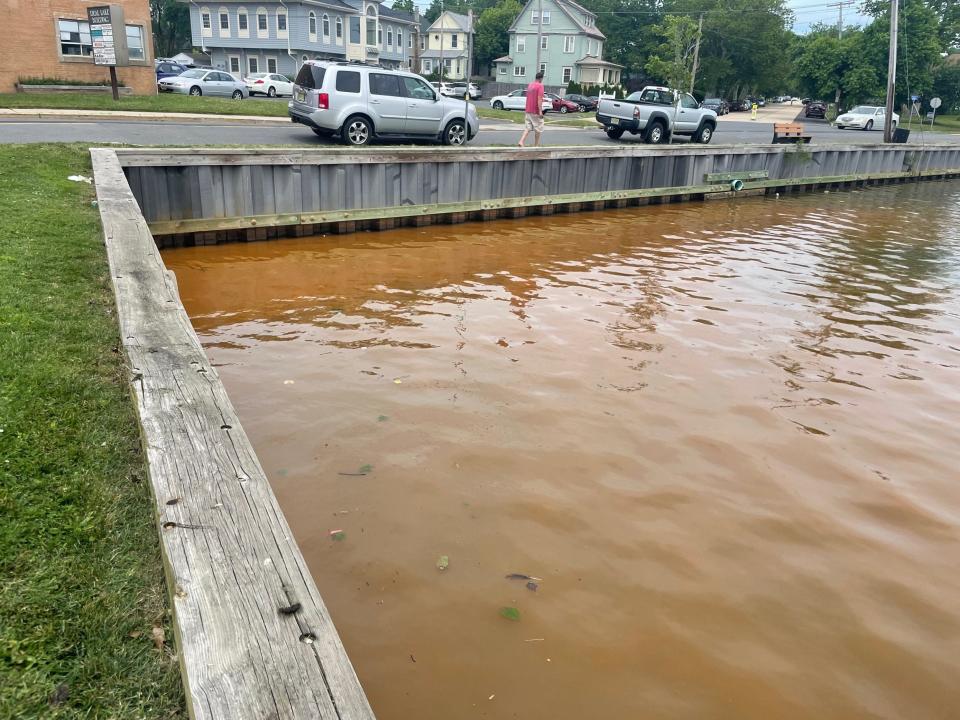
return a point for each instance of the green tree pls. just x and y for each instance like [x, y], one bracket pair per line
[404, 6]
[946, 86]
[491, 39]
[170, 21]
[673, 59]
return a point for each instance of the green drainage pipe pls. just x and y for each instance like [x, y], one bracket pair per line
[736, 185]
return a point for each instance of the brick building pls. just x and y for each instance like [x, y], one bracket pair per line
[51, 39]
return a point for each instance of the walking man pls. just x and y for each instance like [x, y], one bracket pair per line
[533, 115]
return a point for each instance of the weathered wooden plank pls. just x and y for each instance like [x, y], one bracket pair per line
[728, 176]
[253, 636]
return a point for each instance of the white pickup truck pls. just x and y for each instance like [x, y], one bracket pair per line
[657, 112]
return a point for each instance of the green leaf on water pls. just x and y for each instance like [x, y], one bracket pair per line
[510, 613]
[382, 418]
[443, 563]
[365, 469]
[339, 535]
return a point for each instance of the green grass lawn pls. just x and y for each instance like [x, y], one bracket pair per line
[557, 119]
[168, 103]
[944, 123]
[81, 582]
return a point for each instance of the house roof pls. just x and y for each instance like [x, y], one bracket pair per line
[397, 15]
[594, 61]
[336, 4]
[504, 59]
[572, 11]
[447, 53]
[461, 20]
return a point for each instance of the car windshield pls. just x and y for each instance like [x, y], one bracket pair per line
[715, 101]
[194, 73]
[863, 110]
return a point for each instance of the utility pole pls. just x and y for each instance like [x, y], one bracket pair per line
[839, 6]
[891, 72]
[466, 94]
[440, 70]
[539, 33]
[696, 54]
[416, 41]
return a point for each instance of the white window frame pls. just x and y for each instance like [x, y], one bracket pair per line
[400, 40]
[543, 68]
[410, 41]
[253, 64]
[206, 22]
[567, 74]
[131, 50]
[599, 49]
[569, 43]
[230, 67]
[221, 14]
[241, 31]
[389, 37]
[325, 27]
[543, 42]
[427, 66]
[503, 69]
[339, 30]
[265, 33]
[454, 40]
[521, 43]
[546, 17]
[273, 59]
[283, 34]
[519, 70]
[312, 26]
[534, 17]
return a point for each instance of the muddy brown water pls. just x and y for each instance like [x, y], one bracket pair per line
[724, 437]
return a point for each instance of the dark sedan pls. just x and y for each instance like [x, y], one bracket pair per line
[584, 104]
[718, 105]
[815, 110]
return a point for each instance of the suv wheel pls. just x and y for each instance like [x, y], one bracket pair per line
[195, 91]
[455, 133]
[357, 131]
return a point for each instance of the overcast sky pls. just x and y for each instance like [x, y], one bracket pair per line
[810, 12]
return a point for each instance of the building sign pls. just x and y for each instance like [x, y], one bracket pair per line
[108, 35]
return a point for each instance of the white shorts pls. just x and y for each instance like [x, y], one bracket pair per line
[533, 122]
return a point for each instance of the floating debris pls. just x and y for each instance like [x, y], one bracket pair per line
[532, 586]
[521, 576]
[443, 563]
[382, 418]
[362, 470]
[510, 613]
[338, 535]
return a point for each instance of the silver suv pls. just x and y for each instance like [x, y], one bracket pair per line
[360, 102]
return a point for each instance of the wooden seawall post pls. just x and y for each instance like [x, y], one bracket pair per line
[254, 638]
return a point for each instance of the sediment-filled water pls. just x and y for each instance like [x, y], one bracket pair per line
[723, 438]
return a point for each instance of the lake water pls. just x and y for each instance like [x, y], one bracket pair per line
[722, 436]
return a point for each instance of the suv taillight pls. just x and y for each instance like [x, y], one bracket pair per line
[323, 101]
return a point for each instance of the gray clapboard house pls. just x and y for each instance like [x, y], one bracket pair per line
[248, 36]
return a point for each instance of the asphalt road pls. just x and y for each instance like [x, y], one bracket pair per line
[730, 130]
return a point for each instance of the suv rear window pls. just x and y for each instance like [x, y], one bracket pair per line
[310, 77]
[348, 81]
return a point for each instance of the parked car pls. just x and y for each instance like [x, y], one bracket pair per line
[657, 113]
[362, 102]
[718, 105]
[517, 100]
[816, 109]
[739, 105]
[270, 84]
[561, 105]
[445, 89]
[459, 90]
[866, 117]
[204, 81]
[584, 103]
[167, 68]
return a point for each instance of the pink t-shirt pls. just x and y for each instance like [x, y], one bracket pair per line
[535, 98]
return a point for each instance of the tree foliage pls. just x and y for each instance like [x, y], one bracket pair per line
[403, 6]
[672, 61]
[170, 21]
[491, 39]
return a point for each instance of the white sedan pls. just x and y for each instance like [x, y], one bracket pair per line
[517, 100]
[865, 117]
[270, 84]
